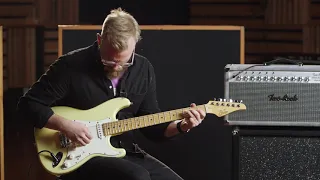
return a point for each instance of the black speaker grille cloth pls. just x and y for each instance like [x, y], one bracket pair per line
[259, 108]
[279, 158]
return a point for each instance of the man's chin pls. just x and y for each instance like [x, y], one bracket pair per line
[115, 74]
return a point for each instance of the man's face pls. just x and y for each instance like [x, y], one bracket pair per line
[116, 62]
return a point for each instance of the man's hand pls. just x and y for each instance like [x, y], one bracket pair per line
[192, 118]
[76, 132]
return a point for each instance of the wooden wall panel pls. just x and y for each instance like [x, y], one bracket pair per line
[230, 12]
[314, 11]
[261, 42]
[271, 26]
[51, 46]
[5, 59]
[287, 12]
[311, 38]
[16, 12]
[1, 108]
[26, 13]
[21, 49]
[57, 11]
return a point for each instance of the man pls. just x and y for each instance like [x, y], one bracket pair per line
[87, 77]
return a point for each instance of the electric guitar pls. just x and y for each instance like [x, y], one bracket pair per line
[58, 155]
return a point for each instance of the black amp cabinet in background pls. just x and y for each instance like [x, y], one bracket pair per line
[276, 153]
[277, 137]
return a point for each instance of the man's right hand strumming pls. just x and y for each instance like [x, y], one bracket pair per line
[75, 131]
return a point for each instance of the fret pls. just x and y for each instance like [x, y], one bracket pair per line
[118, 126]
[109, 128]
[172, 115]
[167, 116]
[161, 117]
[122, 126]
[179, 113]
[133, 120]
[156, 119]
[114, 127]
[140, 122]
[135, 123]
[129, 124]
[146, 121]
[151, 120]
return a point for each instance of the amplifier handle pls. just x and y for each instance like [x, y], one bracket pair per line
[283, 61]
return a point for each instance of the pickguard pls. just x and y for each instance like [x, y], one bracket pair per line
[99, 145]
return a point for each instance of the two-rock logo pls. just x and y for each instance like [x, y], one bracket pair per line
[286, 97]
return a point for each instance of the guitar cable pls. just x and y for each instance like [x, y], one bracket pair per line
[55, 159]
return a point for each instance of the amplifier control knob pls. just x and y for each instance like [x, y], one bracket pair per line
[266, 78]
[286, 79]
[307, 79]
[279, 78]
[252, 78]
[245, 78]
[272, 78]
[300, 79]
[293, 78]
[259, 78]
[239, 78]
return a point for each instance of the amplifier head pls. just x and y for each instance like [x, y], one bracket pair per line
[275, 95]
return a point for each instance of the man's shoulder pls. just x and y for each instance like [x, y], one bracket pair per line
[76, 56]
[143, 61]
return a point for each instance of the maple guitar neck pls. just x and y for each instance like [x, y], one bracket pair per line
[145, 121]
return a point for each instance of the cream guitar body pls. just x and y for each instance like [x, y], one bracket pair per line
[58, 155]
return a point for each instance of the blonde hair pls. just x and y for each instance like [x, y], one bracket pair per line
[118, 27]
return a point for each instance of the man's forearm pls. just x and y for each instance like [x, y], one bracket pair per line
[172, 129]
[56, 122]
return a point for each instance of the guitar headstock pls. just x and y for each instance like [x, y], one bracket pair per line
[221, 107]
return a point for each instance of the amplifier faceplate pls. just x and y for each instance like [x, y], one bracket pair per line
[281, 97]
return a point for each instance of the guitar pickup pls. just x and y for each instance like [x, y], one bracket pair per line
[99, 130]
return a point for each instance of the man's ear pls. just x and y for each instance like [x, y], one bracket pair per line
[99, 39]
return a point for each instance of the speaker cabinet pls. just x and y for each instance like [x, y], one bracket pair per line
[276, 153]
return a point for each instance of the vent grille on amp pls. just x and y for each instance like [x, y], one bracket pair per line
[275, 95]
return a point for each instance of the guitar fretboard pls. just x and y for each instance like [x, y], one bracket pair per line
[144, 121]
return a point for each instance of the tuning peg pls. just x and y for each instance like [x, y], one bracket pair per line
[220, 99]
[214, 99]
[230, 100]
[240, 101]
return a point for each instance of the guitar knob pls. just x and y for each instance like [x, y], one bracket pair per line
[71, 156]
[66, 165]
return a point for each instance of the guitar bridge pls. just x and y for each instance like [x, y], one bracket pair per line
[64, 141]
